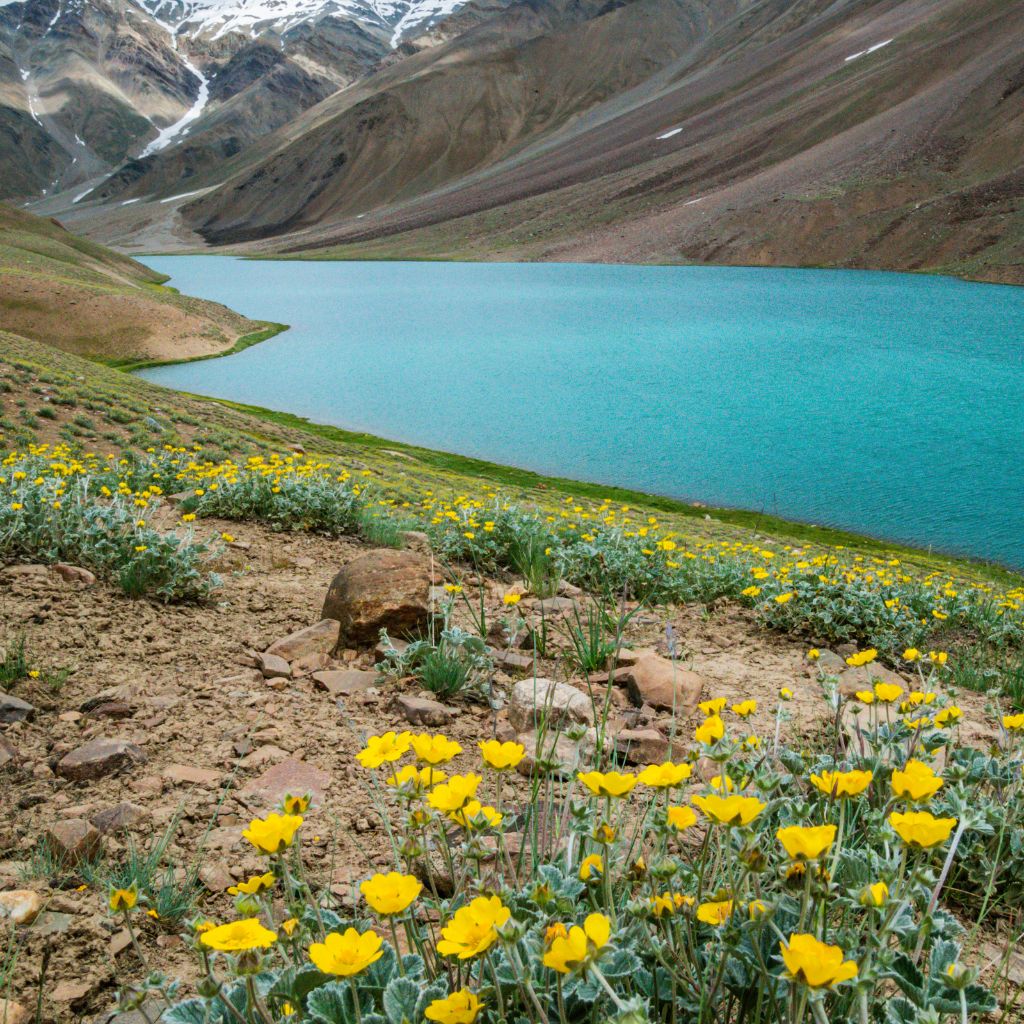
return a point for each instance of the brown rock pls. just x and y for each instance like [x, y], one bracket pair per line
[263, 755]
[287, 777]
[8, 757]
[70, 991]
[112, 709]
[420, 711]
[383, 589]
[663, 684]
[344, 682]
[120, 942]
[642, 746]
[273, 666]
[216, 875]
[99, 757]
[14, 709]
[122, 815]
[20, 906]
[193, 775]
[25, 570]
[13, 1013]
[416, 540]
[513, 660]
[308, 664]
[558, 753]
[74, 574]
[319, 638]
[73, 840]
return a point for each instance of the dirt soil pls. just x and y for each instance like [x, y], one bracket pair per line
[186, 692]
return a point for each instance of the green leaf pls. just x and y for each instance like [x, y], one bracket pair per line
[900, 1011]
[331, 1004]
[400, 999]
[191, 1011]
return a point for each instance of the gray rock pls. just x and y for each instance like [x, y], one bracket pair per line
[559, 704]
[273, 666]
[345, 681]
[14, 709]
[421, 711]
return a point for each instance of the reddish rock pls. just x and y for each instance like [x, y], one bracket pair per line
[73, 840]
[263, 755]
[216, 875]
[192, 775]
[421, 711]
[319, 638]
[383, 589]
[115, 709]
[642, 746]
[122, 815]
[99, 757]
[74, 574]
[663, 684]
[308, 664]
[287, 777]
[513, 660]
[344, 682]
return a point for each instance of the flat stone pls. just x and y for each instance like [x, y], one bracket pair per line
[120, 942]
[290, 776]
[830, 663]
[20, 906]
[421, 711]
[263, 755]
[320, 638]
[642, 746]
[273, 666]
[663, 684]
[74, 574]
[115, 709]
[52, 923]
[307, 664]
[190, 774]
[552, 607]
[345, 681]
[216, 875]
[122, 815]
[99, 757]
[14, 709]
[513, 660]
[70, 991]
[73, 840]
[558, 703]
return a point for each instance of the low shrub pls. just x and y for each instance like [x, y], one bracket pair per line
[791, 885]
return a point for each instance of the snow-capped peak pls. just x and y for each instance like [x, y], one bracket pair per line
[215, 18]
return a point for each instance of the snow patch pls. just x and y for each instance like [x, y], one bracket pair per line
[82, 195]
[864, 53]
[690, 202]
[184, 195]
[670, 133]
[171, 132]
[128, 202]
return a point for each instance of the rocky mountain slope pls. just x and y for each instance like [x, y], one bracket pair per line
[86, 85]
[867, 133]
[80, 297]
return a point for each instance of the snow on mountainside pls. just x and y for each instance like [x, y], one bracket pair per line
[215, 18]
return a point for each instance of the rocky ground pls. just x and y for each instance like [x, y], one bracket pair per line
[210, 714]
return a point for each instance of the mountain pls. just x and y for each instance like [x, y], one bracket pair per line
[87, 86]
[78, 296]
[859, 133]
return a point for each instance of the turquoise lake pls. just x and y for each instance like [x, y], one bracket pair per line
[889, 404]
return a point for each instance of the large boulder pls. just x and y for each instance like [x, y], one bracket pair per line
[383, 589]
[662, 684]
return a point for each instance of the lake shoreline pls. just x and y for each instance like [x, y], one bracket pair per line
[360, 328]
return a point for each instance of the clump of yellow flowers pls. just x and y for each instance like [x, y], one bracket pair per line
[802, 885]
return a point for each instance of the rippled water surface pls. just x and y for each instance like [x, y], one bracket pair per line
[890, 404]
